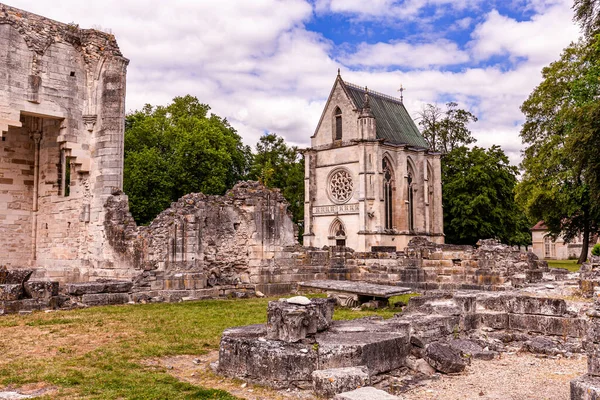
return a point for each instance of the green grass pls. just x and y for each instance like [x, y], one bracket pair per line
[97, 353]
[571, 265]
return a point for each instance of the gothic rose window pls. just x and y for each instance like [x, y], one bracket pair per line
[341, 186]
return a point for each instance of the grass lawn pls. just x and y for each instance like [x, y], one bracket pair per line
[97, 352]
[571, 265]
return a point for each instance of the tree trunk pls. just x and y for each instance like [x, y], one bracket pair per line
[586, 239]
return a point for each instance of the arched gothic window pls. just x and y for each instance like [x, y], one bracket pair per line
[338, 124]
[430, 199]
[388, 181]
[410, 199]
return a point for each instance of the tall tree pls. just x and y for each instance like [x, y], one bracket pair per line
[178, 149]
[587, 15]
[446, 130]
[278, 165]
[479, 203]
[561, 164]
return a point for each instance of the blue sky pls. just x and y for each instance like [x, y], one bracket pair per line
[268, 65]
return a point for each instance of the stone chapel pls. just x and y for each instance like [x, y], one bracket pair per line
[371, 182]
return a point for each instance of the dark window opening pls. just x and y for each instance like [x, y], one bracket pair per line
[387, 194]
[72, 73]
[338, 124]
[411, 222]
[340, 242]
[64, 176]
[68, 177]
[4, 138]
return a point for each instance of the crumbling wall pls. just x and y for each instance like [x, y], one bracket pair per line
[204, 246]
[62, 108]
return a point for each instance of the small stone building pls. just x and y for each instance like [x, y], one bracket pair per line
[371, 180]
[62, 107]
[545, 247]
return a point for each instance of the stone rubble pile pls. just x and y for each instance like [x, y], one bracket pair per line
[302, 347]
[20, 294]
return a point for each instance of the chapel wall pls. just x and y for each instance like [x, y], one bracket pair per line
[325, 133]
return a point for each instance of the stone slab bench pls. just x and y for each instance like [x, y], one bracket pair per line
[365, 291]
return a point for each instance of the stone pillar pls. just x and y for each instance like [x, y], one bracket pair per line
[587, 387]
[291, 320]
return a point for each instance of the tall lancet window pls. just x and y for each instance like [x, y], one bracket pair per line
[430, 199]
[388, 181]
[338, 124]
[411, 218]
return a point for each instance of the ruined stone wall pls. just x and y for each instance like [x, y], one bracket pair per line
[62, 103]
[204, 246]
[422, 265]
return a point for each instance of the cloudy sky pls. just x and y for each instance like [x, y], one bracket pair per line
[268, 65]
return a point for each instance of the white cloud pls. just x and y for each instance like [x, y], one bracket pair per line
[539, 40]
[257, 65]
[441, 52]
[386, 9]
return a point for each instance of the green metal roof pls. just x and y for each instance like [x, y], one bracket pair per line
[393, 122]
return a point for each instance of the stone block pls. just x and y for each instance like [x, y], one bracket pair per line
[534, 275]
[104, 299]
[14, 276]
[117, 286]
[537, 305]
[445, 358]
[586, 387]
[494, 320]
[472, 349]
[378, 351]
[329, 382]
[245, 354]
[593, 332]
[78, 289]
[593, 362]
[429, 328]
[366, 393]
[41, 289]
[9, 292]
[294, 322]
[548, 325]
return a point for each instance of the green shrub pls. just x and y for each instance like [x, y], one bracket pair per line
[596, 250]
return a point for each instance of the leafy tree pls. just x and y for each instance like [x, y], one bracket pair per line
[278, 165]
[478, 191]
[178, 149]
[446, 130]
[587, 14]
[561, 180]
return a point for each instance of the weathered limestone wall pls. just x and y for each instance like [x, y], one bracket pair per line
[16, 188]
[204, 246]
[62, 106]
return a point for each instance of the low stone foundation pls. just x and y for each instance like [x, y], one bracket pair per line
[445, 330]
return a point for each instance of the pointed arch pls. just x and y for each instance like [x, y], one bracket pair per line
[337, 231]
[410, 187]
[430, 197]
[337, 124]
[388, 184]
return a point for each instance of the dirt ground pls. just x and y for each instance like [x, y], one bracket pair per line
[512, 377]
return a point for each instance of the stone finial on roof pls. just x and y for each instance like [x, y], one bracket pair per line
[366, 109]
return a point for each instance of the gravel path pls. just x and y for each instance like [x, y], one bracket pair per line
[513, 377]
